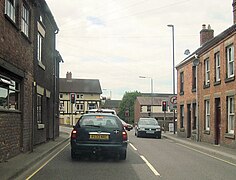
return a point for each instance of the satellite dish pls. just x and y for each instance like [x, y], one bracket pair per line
[195, 62]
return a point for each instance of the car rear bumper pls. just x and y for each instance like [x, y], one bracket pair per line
[148, 134]
[79, 148]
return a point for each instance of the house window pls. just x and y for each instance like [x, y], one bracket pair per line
[10, 9]
[80, 107]
[230, 61]
[148, 108]
[181, 82]
[207, 72]
[25, 20]
[207, 115]
[194, 78]
[39, 109]
[231, 117]
[39, 50]
[91, 106]
[217, 66]
[61, 107]
[61, 96]
[9, 94]
[181, 116]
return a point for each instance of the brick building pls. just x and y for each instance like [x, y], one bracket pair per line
[151, 106]
[20, 75]
[206, 101]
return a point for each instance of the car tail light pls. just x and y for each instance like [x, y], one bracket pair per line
[73, 134]
[124, 136]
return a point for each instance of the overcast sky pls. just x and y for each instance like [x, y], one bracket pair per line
[116, 41]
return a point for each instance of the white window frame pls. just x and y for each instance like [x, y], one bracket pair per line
[231, 116]
[217, 66]
[80, 107]
[25, 20]
[207, 71]
[39, 47]
[10, 9]
[207, 115]
[230, 61]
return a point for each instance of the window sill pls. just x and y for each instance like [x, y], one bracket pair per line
[182, 129]
[41, 126]
[216, 83]
[227, 80]
[205, 86]
[26, 37]
[229, 136]
[41, 65]
[207, 132]
[11, 21]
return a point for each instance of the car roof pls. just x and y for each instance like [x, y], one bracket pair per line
[146, 119]
[105, 111]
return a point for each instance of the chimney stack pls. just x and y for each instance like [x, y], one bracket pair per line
[206, 34]
[68, 75]
[234, 11]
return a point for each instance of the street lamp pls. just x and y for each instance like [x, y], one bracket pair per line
[173, 49]
[145, 77]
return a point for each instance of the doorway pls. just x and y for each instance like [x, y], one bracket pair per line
[189, 121]
[217, 121]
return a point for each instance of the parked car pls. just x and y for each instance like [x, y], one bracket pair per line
[99, 134]
[126, 125]
[148, 127]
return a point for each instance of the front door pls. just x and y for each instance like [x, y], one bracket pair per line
[189, 121]
[217, 121]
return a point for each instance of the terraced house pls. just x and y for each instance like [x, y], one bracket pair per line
[29, 73]
[206, 101]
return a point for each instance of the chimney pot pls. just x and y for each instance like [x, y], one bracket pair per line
[206, 34]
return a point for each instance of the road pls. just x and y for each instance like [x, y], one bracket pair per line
[147, 159]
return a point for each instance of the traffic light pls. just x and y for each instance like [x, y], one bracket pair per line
[72, 98]
[164, 106]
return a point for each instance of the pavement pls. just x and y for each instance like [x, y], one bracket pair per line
[17, 165]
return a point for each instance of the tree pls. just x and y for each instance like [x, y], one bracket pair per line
[127, 105]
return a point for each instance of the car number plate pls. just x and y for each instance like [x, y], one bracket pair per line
[150, 132]
[99, 136]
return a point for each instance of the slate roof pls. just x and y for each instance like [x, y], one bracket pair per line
[209, 44]
[87, 86]
[148, 100]
[112, 103]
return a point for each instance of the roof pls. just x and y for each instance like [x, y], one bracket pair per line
[151, 100]
[209, 44]
[112, 103]
[88, 86]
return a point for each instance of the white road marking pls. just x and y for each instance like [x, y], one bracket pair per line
[46, 163]
[150, 166]
[133, 146]
[207, 155]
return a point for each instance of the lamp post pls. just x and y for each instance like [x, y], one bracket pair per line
[173, 51]
[146, 77]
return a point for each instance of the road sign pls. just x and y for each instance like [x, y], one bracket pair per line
[173, 102]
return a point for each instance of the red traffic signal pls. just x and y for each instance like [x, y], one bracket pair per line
[164, 106]
[72, 98]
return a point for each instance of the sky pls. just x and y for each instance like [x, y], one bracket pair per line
[116, 41]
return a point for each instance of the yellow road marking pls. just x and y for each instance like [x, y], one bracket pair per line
[46, 163]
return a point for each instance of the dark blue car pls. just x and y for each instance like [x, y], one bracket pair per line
[99, 134]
